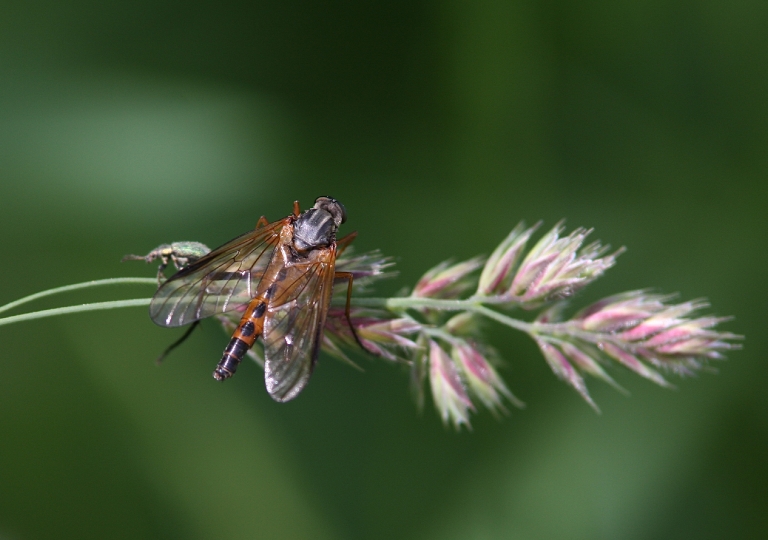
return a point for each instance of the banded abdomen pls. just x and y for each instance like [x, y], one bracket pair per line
[252, 323]
[245, 335]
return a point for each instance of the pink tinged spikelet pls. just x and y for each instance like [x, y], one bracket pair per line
[621, 311]
[564, 370]
[530, 272]
[630, 296]
[632, 362]
[647, 328]
[673, 335]
[613, 319]
[697, 346]
[667, 317]
[565, 267]
[497, 273]
[380, 335]
[482, 379]
[366, 265]
[687, 330]
[389, 333]
[691, 341]
[587, 364]
[639, 327]
[538, 259]
[387, 338]
[448, 390]
[446, 280]
[558, 267]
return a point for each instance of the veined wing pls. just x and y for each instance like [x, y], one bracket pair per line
[223, 280]
[294, 321]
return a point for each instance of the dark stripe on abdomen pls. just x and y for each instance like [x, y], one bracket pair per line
[231, 358]
[246, 333]
[270, 292]
[259, 311]
[247, 329]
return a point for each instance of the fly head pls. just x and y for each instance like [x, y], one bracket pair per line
[316, 228]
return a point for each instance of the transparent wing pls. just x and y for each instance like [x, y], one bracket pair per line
[221, 281]
[293, 324]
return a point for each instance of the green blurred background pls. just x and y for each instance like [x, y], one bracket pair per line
[124, 125]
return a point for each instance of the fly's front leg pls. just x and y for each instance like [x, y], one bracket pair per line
[348, 308]
[178, 342]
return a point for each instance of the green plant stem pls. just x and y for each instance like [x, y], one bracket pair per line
[76, 286]
[470, 304]
[75, 309]
[567, 329]
[397, 304]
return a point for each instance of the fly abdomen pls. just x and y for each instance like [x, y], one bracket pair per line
[249, 329]
[231, 358]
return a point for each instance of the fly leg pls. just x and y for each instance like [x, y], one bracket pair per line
[178, 342]
[347, 309]
[262, 222]
[343, 243]
[208, 279]
[181, 254]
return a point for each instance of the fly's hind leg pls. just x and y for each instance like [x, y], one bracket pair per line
[347, 309]
[262, 222]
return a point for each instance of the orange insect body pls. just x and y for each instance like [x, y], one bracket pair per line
[281, 275]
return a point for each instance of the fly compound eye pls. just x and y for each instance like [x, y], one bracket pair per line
[333, 207]
[342, 210]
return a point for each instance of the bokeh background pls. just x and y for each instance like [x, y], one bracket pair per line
[124, 125]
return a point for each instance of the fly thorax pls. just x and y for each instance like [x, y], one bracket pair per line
[313, 229]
